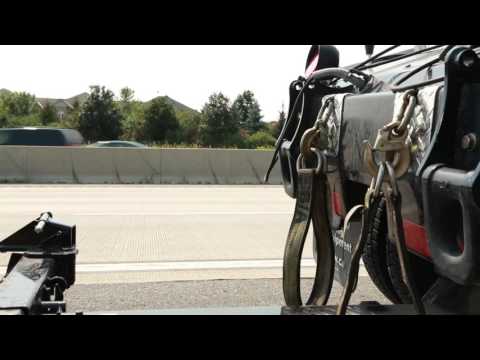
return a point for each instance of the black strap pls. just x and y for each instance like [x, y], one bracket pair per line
[396, 233]
[311, 205]
[354, 265]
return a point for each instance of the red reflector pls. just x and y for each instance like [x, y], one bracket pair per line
[337, 203]
[416, 238]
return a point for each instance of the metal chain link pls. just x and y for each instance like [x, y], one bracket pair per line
[317, 135]
[393, 139]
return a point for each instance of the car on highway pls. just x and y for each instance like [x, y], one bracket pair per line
[118, 143]
[40, 136]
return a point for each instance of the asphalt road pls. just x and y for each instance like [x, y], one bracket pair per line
[166, 246]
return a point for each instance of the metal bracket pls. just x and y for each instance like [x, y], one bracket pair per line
[41, 267]
[290, 146]
[449, 174]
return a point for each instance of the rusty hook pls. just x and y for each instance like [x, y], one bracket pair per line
[400, 162]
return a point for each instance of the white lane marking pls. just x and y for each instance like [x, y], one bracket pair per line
[190, 213]
[189, 265]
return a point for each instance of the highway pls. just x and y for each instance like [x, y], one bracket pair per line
[170, 246]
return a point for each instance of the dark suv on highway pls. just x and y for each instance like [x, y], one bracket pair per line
[31, 136]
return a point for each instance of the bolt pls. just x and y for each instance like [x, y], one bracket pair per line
[469, 142]
[443, 185]
[468, 59]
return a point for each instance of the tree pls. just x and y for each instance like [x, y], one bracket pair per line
[100, 118]
[18, 109]
[132, 116]
[190, 126]
[218, 126]
[48, 114]
[247, 112]
[126, 95]
[71, 120]
[19, 103]
[281, 121]
[4, 114]
[161, 123]
[133, 124]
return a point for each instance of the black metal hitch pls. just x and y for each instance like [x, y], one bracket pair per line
[304, 117]
[449, 174]
[40, 269]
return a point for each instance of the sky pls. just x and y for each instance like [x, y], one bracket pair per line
[188, 74]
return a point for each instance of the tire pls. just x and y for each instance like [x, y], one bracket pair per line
[395, 273]
[423, 271]
[375, 254]
[383, 265]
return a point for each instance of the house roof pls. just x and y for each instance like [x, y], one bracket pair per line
[63, 102]
[55, 102]
[178, 106]
[82, 97]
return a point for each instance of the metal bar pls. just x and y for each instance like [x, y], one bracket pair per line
[21, 288]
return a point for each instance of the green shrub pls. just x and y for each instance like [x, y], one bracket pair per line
[260, 139]
[26, 120]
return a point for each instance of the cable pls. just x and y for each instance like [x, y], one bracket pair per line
[417, 85]
[397, 88]
[401, 57]
[317, 75]
[364, 66]
[282, 133]
[375, 56]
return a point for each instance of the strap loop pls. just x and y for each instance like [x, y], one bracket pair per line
[321, 162]
[310, 206]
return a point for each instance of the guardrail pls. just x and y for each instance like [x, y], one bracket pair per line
[83, 165]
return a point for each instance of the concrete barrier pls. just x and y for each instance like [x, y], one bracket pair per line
[94, 166]
[187, 166]
[46, 165]
[14, 165]
[82, 165]
[137, 166]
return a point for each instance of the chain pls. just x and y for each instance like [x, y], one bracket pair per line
[392, 136]
[317, 135]
[407, 109]
[393, 139]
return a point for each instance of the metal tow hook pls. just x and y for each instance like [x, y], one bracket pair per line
[317, 136]
[393, 140]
